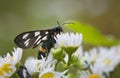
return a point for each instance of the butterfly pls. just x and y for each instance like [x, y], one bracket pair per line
[23, 72]
[32, 39]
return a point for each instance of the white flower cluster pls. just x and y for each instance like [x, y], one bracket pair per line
[96, 63]
[7, 63]
[45, 67]
[102, 60]
[66, 56]
[69, 39]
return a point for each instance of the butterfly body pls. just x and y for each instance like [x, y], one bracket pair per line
[32, 39]
[46, 46]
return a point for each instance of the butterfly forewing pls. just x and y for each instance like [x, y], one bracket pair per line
[30, 38]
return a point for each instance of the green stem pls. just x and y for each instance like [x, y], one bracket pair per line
[63, 61]
[61, 58]
[69, 58]
[17, 75]
[56, 65]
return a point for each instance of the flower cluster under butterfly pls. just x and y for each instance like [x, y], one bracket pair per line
[34, 38]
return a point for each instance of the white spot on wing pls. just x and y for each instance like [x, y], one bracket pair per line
[27, 42]
[37, 33]
[24, 73]
[38, 42]
[44, 38]
[46, 32]
[25, 36]
[38, 38]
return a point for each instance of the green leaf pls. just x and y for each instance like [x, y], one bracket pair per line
[90, 34]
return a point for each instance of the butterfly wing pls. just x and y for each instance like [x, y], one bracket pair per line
[23, 72]
[30, 39]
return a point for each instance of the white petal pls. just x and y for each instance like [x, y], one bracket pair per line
[69, 39]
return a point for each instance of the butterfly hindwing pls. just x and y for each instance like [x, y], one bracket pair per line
[30, 38]
[23, 72]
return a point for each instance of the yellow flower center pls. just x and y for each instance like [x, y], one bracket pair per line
[48, 75]
[107, 61]
[5, 68]
[94, 76]
[1, 72]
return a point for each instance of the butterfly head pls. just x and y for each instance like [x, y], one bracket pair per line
[58, 30]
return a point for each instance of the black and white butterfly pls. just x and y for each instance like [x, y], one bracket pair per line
[34, 38]
[23, 72]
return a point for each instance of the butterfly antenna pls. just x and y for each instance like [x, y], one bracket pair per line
[64, 23]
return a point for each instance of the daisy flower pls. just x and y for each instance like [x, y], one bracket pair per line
[103, 59]
[50, 73]
[33, 65]
[17, 55]
[47, 63]
[92, 55]
[116, 51]
[88, 74]
[69, 39]
[7, 63]
[7, 68]
[107, 61]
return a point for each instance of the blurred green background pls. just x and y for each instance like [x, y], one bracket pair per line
[17, 16]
